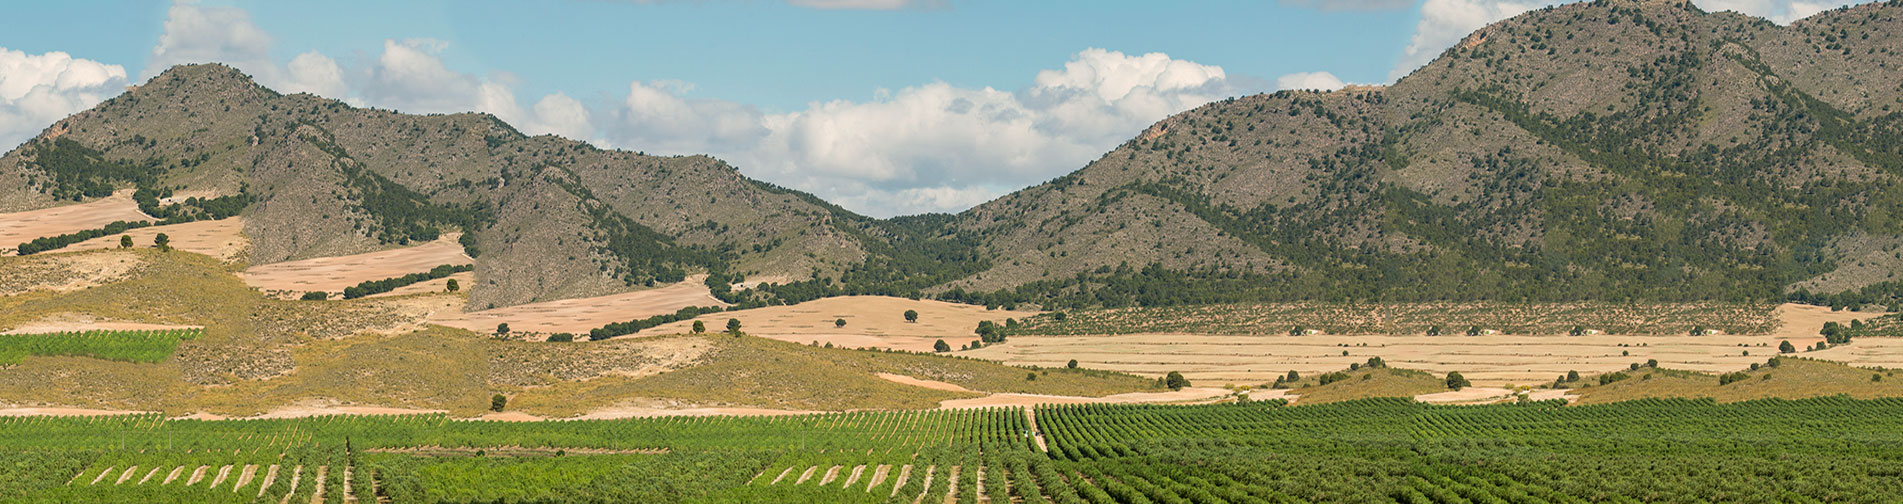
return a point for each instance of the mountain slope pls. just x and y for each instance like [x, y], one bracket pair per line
[1602, 150]
[546, 217]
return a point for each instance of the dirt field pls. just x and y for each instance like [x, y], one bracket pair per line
[73, 322]
[21, 227]
[463, 280]
[580, 315]
[871, 322]
[1488, 360]
[223, 239]
[333, 274]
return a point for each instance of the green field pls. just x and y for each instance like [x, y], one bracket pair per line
[1831, 449]
[124, 346]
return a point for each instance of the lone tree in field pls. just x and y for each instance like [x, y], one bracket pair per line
[125, 241]
[1292, 376]
[1071, 365]
[452, 286]
[162, 241]
[1175, 381]
[1456, 382]
[502, 328]
[1572, 376]
[498, 402]
[941, 347]
[911, 315]
[1031, 376]
[1786, 347]
[839, 323]
[700, 327]
[733, 326]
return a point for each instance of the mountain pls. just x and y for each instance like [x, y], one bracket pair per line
[1605, 150]
[545, 217]
[1610, 150]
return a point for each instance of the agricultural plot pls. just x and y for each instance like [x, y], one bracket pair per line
[1414, 319]
[1373, 450]
[579, 315]
[871, 322]
[128, 346]
[334, 274]
[1510, 355]
[221, 238]
[22, 227]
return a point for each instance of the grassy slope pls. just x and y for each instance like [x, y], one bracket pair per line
[258, 354]
[1793, 378]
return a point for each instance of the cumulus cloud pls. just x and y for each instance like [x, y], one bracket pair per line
[931, 147]
[200, 34]
[1309, 80]
[1350, 5]
[1778, 11]
[38, 89]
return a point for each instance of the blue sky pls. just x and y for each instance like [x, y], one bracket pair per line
[885, 106]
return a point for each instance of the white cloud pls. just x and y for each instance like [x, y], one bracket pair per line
[932, 147]
[1779, 11]
[1444, 22]
[1309, 80]
[197, 34]
[37, 90]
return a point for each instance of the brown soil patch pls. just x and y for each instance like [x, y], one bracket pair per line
[333, 274]
[580, 315]
[77, 322]
[871, 322]
[930, 384]
[21, 227]
[223, 239]
[1487, 360]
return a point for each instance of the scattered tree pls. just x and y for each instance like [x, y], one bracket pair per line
[1058, 316]
[125, 241]
[733, 326]
[1433, 331]
[562, 337]
[941, 347]
[1474, 331]
[1292, 376]
[1652, 363]
[1071, 365]
[498, 402]
[162, 241]
[1456, 382]
[1577, 331]
[839, 323]
[1175, 381]
[700, 327]
[1786, 347]
[1030, 376]
[502, 328]
[452, 286]
[1572, 376]
[315, 296]
[911, 315]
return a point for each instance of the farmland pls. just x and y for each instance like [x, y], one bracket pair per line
[1831, 449]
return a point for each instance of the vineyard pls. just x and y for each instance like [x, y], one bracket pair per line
[128, 346]
[1411, 318]
[1374, 450]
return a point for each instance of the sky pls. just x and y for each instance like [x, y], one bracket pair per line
[886, 107]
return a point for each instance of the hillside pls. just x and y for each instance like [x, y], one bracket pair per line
[1615, 150]
[1618, 150]
[546, 218]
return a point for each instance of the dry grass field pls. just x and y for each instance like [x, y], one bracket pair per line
[21, 227]
[1489, 359]
[333, 274]
[871, 322]
[581, 314]
[223, 239]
